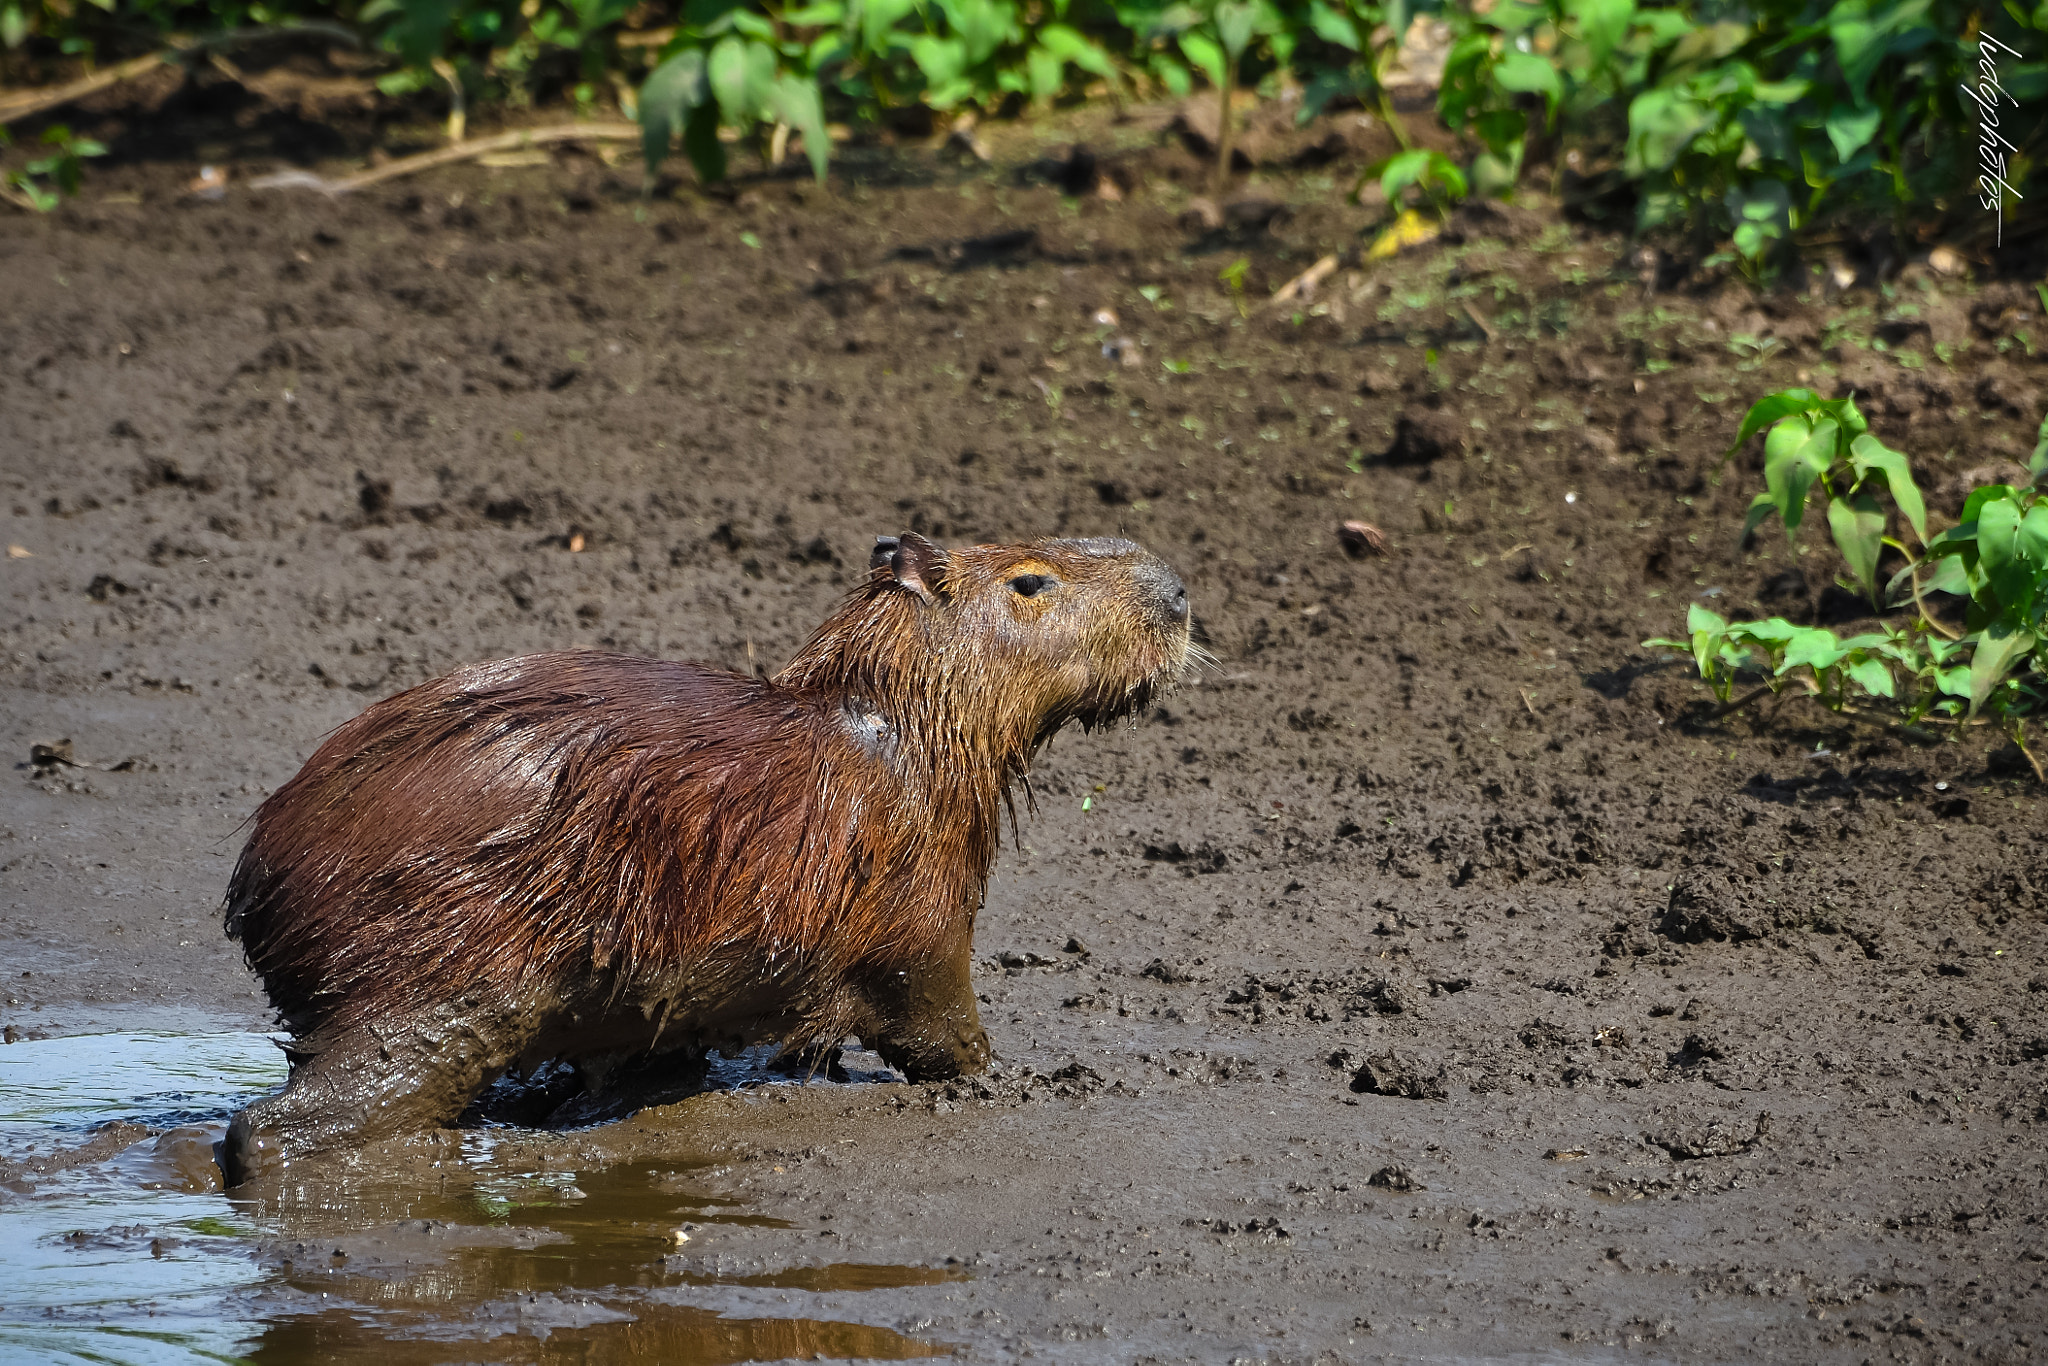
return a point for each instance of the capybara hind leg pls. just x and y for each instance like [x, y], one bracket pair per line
[374, 1080]
[929, 1024]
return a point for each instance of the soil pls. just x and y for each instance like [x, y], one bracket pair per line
[1433, 978]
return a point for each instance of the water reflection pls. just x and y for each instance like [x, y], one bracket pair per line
[130, 1258]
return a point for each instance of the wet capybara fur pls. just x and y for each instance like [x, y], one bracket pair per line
[589, 857]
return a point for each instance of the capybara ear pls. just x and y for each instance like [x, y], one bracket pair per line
[911, 561]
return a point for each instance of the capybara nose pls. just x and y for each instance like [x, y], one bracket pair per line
[1168, 595]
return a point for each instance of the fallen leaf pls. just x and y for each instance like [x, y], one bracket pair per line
[1411, 229]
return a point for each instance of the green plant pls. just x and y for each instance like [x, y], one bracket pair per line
[1995, 557]
[1433, 174]
[1746, 123]
[63, 168]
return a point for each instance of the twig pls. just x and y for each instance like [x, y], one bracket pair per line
[19, 104]
[449, 156]
[1302, 287]
[1531, 705]
[2019, 731]
[1913, 577]
[1730, 708]
[458, 115]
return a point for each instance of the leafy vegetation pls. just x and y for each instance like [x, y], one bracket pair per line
[40, 184]
[1741, 123]
[1995, 559]
[1745, 123]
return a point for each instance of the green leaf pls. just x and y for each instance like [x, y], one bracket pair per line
[796, 102]
[1850, 128]
[1974, 505]
[420, 28]
[1046, 71]
[1205, 54]
[1760, 507]
[1707, 630]
[1525, 73]
[1998, 527]
[1999, 648]
[742, 76]
[1946, 574]
[2012, 545]
[1858, 524]
[1815, 646]
[1794, 456]
[878, 18]
[2038, 465]
[1237, 24]
[1770, 409]
[1334, 26]
[1070, 46]
[1774, 632]
[983, 25]
[1602, 24]
[1873, 676]
[1662, 124]
[1171, 74]
[1401, 170]
[672, 90]
[942, 60]
[1868, 455]
[13, 26]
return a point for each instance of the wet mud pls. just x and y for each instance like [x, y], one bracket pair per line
[1431, 979]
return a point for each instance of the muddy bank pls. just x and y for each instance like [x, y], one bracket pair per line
[1426, 980]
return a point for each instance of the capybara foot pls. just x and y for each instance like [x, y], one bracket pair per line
[248, 1153]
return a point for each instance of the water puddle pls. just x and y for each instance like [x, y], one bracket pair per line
[127, 1256]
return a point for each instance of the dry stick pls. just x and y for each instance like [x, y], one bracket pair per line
[19, 104]
[2018, 730]
[449, 156]
[1730, 708]
[1913, 576]
[1303, 286]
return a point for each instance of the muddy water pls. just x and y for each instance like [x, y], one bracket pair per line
[137, 1256]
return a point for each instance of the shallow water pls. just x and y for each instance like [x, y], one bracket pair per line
[130, 1258]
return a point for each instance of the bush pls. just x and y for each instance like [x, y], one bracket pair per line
[1996, 558]
[1745, 123]
[1740, 123]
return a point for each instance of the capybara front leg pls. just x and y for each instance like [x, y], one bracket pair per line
[373, 1080]
[929, 1027]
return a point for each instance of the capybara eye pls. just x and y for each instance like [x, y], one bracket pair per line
[1029, 585]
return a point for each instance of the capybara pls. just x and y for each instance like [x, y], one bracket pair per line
[588, 856]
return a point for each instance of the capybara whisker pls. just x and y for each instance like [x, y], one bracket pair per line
[594, 858]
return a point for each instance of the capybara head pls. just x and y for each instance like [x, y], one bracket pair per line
[1017, 640]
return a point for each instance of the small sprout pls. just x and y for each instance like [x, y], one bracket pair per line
[749, 239]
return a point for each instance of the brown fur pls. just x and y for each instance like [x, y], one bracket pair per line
[582, 854]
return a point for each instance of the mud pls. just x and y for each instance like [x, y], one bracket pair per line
[1427, 981]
